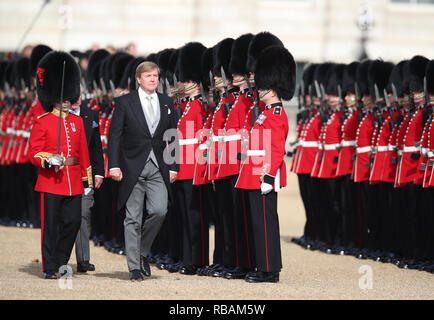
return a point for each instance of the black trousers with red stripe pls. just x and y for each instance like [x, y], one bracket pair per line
[60, 222]
[195, 223]
[265, 223]
[243, 226]
[225, 222]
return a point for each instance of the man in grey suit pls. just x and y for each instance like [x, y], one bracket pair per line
[136, 147]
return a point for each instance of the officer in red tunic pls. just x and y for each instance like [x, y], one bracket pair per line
[263, 172]
[64, 167]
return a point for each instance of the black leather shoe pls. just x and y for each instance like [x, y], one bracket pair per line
[174, 267]
[136, 275]
[235, 273]
[260, 276]
[188, 270]
[219, 271]
[85, 266]
[50, 275]
[144, 266]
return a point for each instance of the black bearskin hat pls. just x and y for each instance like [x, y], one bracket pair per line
[429, 73]
[349, 77]
[172, 66]
[378, 73]
[38, 53]
[163, 61]
[334, 80]
[207, 64]
[22, 73]
[276, 70]
[130, 73]
[320, 76]
[189, 62]
[221, 57]
[417, 66]
[240, 48]
[118, 66]
[362, 77]
[49, 79]
[93, 66]
[258, 43]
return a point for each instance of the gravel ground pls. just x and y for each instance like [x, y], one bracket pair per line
[305, 274]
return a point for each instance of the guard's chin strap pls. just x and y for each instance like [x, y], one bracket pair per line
[264, 93]
[194, 85]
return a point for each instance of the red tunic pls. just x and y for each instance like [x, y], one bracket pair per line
[381, 146]
[308, 146]
[188, 126]
[363, 148]
[204, 140]
[410, 152]
[43, 144]
[348, 144]
[332, 140]
[228, 163]
[265, 156]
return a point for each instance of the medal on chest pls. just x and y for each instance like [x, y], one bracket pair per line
[73, 127]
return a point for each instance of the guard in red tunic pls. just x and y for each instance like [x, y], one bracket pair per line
[223, 194]
[263, 172]
[63, 162]
[189, 197]
[229, 162]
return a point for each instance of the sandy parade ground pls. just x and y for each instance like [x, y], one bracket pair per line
[305, 274]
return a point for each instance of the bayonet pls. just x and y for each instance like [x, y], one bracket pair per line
[214, 90]
[386, 98]
[204, 102]
[103, 88]
[23, 85]
[169, 90]
[318, 90]
[112, 87]
[160, 87]
[228, 104]
[377, 96]
[395, 95]
[425, 90]
[358, 97]
[95, 88]
[129, 83]
[175, 85]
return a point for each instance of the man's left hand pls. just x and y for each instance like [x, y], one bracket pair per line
[172, 176]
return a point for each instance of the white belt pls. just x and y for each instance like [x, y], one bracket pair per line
[203, 146]
[410, 149]
[234, 137]
[382, 148]
[363, 149]
[104, 139]
[183, 142]
[309, 143]
[392, 148]
[331, 146]
[431, 154]
[251, 153]
[10, 131]
[348, 143]
[218, 138]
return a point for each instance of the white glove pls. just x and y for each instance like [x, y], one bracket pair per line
[266, 188]
[56, 160]
[87, 190]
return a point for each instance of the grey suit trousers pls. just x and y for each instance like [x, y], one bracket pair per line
[82, 241]
[140, 234]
